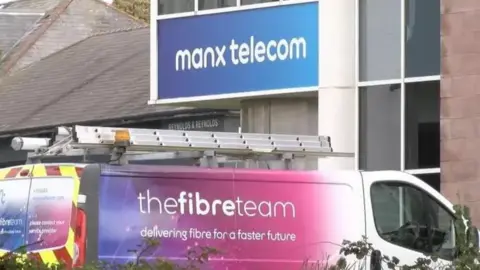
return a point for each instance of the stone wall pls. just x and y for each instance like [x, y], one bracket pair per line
[460, 103]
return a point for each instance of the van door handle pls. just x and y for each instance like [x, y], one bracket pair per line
[376, 260]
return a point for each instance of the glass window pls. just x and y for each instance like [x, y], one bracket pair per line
[433, 179]
[409, 217]
[422, 125]
[380, 127]
[211, 4]
[422, 38]
[380, 39]
[176, 6]
[250, 2]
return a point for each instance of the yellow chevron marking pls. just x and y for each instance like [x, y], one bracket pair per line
[3, 173]
[48, 257]
[70, 242]
[69, 170]
[39, 171]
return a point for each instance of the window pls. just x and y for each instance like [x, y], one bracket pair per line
[422, 125]
[408, 217]
[177, 6]
[211, 4]
[422, 38]
[405, 53]
[250, 2]
[380, 127]
[380, 39]
[432, 179]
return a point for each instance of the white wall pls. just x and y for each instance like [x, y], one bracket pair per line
[282, 116]
[336, 96]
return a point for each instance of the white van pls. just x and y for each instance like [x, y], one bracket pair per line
[258, 219]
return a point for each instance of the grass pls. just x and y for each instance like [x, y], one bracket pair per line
[139, 9]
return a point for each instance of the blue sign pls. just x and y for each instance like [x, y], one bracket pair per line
[235, 52]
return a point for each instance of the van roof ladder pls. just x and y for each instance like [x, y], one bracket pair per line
[128, 144]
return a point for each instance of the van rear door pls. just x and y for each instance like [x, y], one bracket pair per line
[14, 193]
[36, 205]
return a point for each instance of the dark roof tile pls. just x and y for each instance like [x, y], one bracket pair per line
[38, 5]
[66, 22]
[13, 28]
[102, 77]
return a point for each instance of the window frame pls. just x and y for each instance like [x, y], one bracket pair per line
[155, 15]
[404, 184]
[402, 80]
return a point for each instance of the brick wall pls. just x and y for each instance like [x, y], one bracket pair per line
[460, 103]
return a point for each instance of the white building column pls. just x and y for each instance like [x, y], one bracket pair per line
[337, 111]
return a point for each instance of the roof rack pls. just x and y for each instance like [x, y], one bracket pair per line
[130, 144]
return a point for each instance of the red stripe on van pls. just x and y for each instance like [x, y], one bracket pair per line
[79, 171]
[53, 170]
[73, 220]
[63, 256]
[13, 172]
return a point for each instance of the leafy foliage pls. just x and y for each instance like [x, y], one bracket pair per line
[139, 9]
[467, 251]
[195, 258]
[359, 252]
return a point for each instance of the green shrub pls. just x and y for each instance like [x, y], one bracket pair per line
[468, 255]
[195, 258]
[139, 9]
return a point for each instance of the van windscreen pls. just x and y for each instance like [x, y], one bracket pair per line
[35, 212]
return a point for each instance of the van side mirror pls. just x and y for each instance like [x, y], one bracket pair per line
[473, 236]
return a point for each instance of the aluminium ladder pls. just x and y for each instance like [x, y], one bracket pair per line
[210, 148]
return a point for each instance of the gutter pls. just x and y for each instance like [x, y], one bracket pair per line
[167, 115]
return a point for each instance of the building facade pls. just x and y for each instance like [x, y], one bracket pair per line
[399, 86]
[378, 93]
